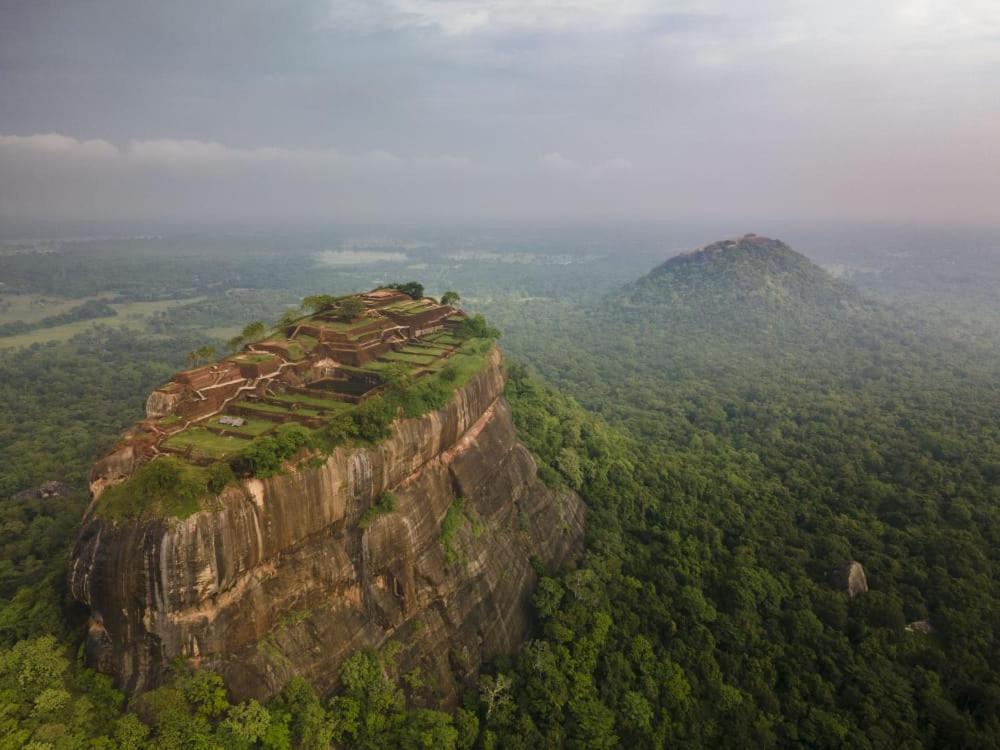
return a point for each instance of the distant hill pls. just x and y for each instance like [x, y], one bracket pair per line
[750, 275]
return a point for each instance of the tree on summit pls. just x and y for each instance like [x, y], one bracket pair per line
[288, 318]
[351, 308]
[254, 331]
[413, 288]
[201, 354]
[317, 302]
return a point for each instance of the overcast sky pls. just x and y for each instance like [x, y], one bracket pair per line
[500, 110]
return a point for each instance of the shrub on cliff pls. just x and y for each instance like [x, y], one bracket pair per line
[219, 475]
[426, 396]
[459, 513]
[165, 486]
[386, 504]
[476, 327]
[372, 418]
[337, 430]
[265, 455]
[398, 379]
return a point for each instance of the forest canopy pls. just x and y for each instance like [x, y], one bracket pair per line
[731, 456]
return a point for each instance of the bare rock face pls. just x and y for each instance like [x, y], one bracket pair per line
[279, 580]
[849, 577]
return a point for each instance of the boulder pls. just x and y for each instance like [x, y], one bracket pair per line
[850, 578]
[45, 490]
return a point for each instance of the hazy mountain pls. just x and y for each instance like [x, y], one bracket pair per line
[749, 275]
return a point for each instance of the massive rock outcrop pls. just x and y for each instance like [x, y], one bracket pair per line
[279, 579]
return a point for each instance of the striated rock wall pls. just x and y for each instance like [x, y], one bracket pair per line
[280, 581]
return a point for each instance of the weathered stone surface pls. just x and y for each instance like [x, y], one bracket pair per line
[280, 581]
[849, 577]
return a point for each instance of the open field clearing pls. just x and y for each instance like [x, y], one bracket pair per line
[31, 308]
[131, 315]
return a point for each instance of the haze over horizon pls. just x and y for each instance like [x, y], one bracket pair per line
[518, 111]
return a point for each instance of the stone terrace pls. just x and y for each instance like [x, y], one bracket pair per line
[315, 368]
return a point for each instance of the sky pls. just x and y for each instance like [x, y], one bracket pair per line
[464, 111]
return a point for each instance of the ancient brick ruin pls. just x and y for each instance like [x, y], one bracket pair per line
[315, 368]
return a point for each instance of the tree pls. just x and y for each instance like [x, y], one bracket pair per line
[245, 724]
[367, 712]
[206, 692]
[593, 723]
[254, 331]
[219, 475]
[298, 707]
[201, 354]
[372, 418]
[494, 693]
[288, 317]
[317, 302]
[548, 596]
[424, 729]
[450, 298]
[351, 308]
[477, 328]
[413, 288]
[398, 378]
[32, 667]
[264, 456]
[130, 733]
[467, 725]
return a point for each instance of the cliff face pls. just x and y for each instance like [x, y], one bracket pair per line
[279, 580]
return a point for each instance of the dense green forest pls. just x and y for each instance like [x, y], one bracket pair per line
[738, 425]
[788, 425]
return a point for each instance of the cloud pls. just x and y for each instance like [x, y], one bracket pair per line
[52, 175]
[200, 153]
[458, 17]
[900, 24]
[54, 144]
[457, 110]
[194, 154]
